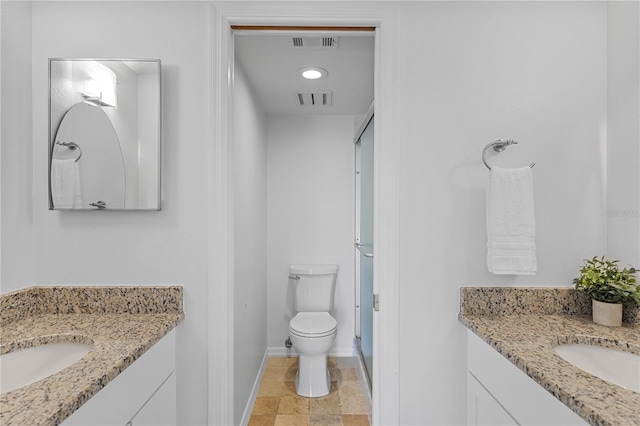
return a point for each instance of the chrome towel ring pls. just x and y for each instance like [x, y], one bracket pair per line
[498, 146]
[72, 146]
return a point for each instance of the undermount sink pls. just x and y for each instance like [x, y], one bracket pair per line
[611, 365]
[26, 366]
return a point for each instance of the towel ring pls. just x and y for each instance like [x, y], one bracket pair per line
[498, 146]
[72, 146]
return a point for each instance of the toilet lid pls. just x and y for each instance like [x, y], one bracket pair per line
[313, 324]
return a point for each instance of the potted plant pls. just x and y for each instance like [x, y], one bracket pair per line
[609, 288]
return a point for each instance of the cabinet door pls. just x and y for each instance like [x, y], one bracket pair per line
[119, 401]
[524, 399]
[482, 407]
[160, 410]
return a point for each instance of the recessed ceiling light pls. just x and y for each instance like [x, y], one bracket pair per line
[313, 73]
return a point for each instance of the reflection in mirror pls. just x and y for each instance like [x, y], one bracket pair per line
[104, 140]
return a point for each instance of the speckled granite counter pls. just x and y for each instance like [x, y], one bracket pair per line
[120, 323]
[524, 324]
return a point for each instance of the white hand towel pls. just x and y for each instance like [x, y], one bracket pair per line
[511, 229]
[65, 184]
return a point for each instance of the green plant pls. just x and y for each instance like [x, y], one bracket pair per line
[604, 281]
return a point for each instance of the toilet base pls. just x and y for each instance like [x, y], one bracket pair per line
[313, 379]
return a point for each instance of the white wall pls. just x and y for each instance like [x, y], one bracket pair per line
[534, 72]
[16, 263]
[310, 214]
[250, 245]
[167, 247]
[623, 132]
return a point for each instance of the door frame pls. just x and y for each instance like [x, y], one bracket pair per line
[385, 17]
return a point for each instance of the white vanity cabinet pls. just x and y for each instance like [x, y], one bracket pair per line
[498, 393]
[143, 394]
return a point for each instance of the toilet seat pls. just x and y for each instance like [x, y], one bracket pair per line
[313, 324]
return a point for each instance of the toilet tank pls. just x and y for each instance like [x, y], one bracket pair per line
[314, 287]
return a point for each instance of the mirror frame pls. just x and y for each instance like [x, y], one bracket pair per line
[52, 134]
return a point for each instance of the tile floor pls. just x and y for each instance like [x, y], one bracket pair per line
[278, 404]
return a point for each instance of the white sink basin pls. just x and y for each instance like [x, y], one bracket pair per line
[26, 366]
[611, 365]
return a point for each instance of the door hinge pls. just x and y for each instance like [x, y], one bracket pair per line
[376, 302]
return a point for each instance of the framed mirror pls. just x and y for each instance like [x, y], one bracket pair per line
[104, 134]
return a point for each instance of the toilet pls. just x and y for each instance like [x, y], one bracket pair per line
[313, 330]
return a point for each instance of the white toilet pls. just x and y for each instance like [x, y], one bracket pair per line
[313, 330]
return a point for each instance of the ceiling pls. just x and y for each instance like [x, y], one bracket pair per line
[271, 62]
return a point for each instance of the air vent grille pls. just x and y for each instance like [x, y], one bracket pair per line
[314, 99]
[329, 41]
[314, 42]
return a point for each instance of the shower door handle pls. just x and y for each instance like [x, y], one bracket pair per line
[359, 247]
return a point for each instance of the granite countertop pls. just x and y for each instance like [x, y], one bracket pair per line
[524, 324]
[120, 324]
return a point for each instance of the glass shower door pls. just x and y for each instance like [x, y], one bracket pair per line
[365, 247]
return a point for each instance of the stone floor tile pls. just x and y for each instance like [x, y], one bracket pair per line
[354, 404]
[276, 363]
[291, 360]
[293, 404]
[344, 362]
[290, 387]
[355, 420]
[273, 374]
[350, 387]
[290, 373]
[273, 388]
[262, 420]
[292, 420]
[344, 375]
[329, 404]
[325, 420]
[265, 405]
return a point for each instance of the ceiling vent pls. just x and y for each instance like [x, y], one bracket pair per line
[314, 42]
[314, 99]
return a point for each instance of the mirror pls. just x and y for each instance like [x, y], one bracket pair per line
[104, 134]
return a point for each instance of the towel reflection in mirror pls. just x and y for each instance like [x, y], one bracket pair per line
[65, 183]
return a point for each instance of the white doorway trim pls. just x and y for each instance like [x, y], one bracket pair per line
[385, 17]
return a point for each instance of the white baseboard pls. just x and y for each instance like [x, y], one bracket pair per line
[282, 351]
[254, 392]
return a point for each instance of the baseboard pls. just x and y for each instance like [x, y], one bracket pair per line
[254, 392]
[282, 351]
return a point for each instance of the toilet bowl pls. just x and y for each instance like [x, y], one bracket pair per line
[313, 330]
[312, 334]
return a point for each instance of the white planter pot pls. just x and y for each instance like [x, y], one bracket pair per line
[609, 314]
